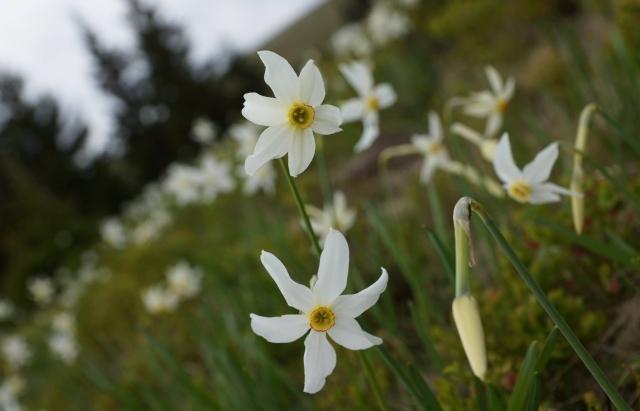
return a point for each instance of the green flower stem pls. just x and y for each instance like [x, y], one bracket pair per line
[301, 208]
[462, 260]
[551, 310]
[366, 364]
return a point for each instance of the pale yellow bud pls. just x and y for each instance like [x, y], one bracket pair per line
[467, 318]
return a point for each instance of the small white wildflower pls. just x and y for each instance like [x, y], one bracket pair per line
[113, 232]
[528, 185]
[291, 117]
[157, 299]
[184, 280]
[430, 145]
[351, 40]
[263, 180]
[321, 310]
[64, 346]
[41, 290]
[183, 183]
[246, 135]
[486, 144]
[336, 215]
[150, 228]
[204, 131]
[215, 178]
[63, 322]
[371, 99]
[386, 23]
[15, 350]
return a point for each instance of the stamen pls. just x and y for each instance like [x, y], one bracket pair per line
[301, 115]
[501, 105]
[372, 103]
[520, 191]
[322, 318]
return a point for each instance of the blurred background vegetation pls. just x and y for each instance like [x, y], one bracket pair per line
[564, 54]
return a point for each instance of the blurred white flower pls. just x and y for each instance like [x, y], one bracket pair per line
[204, 131]
[157, 299]
[291, 117]
[321, 311]
[486, 144]
[351, 40]
[183, 183]
[215, 178]
[264, 179]
[490, 104]
[150, 228]
[336, 215]
[7, 309]
[112, 232]
[245, 135]
[528, 185]
[372, 98]
[386, 23]
[64, 345]
[431, 147]
[10, 389]
[41, 290]
[63, 322]
[184, 280]
[15, 350]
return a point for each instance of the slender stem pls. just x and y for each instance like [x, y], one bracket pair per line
[323, 171]
[366, 364]
[552, 311]
[404, 378]
[462, 260]
[301, 208]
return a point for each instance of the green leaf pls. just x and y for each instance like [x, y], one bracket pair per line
[518, 399]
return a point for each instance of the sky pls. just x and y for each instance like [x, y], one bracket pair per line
[41, 41]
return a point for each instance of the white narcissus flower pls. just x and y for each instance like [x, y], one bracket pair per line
[184, 280]
[371, 99]
[491, 104]
[386, 24]
[528, 185]
[351, 39]
[215, 178]
[430, 145]
[336, 215]
[486, 144]
[64, 346]
[15, 350]
[245, 135]
[322, 311]
[63, 322]
[112, 232]
[151, 226]
[183, 183]
[41, 290]
[291, 117]
[204, 131]
[264, 179]
[10, 390]
[157, 299]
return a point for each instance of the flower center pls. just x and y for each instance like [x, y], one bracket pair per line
[520, 191]
[435, 148]
[301, 115]
[372, 103]
[501, 105]
[322, 318]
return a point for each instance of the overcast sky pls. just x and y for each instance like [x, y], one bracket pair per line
[40, 40]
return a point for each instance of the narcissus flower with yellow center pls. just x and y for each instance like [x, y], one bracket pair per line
[371, 99]
[431, 147]
[291, 117]
[322, 311]
[530, 184]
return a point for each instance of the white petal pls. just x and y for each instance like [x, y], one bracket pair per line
[359, 76]
[353, 109]
[503, 163]
[352, 305]
[509, 89]
[296, 295]
[264, 111]
[549, 193]
[494, 123]
[302, 148]
[370, 133]
[333, 268]
[348, 333]
[319, 361]
[435, 126]
[428, 168]
[385, 94]
[311, 84]
[280, 76]
[495, 81]
[272, 143]
[283, 329]
[327, 119]
[539, 170]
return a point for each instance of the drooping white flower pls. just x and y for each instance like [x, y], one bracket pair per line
[113, 233]
[7, 309]
[486, 144]
[528, 185]
[204, 131]
[64, 346]
[157, 299]
[322, 311]
[371, 99]
[335, 215]
[15, 350]
[184, 280]
[351, 40]
[183, 182]
[291, 117]
[385, 23]
[490, 104]
[41, 290]
[263, 180]
[215, 178]
[430, 145]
